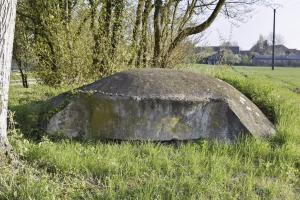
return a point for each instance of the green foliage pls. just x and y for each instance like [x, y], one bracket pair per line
[72, 42]
[245, 60]
[75, 41]
[248, 169]
[227, 57]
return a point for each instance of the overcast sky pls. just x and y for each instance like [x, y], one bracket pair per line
[261, 23]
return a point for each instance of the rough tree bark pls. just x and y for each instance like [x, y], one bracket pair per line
[93, 13]
[143, 50]
[101, 30]
[7, 25]
[138, 21]
[117, 26]
[157, 33]
[67, 20]
[136, 30]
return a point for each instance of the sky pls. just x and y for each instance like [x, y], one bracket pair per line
[261, 23]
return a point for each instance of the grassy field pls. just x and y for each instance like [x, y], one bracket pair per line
[289, 77]
[248, 169]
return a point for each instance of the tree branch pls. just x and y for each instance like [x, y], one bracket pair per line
[197, 29]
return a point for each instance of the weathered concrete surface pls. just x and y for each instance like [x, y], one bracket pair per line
[159, 105]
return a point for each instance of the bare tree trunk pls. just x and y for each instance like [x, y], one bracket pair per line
[95, 34]
[157, 33]
[67, 21]
[143, 50]
[136, 31]
[20, 65]
[101, 34]
[104, 29]
[23, 75]
[7, 25]
[117, 26]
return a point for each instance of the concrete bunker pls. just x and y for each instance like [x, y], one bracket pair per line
[159, 105]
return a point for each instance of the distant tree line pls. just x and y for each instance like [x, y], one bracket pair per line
[74, 41]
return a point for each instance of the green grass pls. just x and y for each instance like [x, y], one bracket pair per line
[16, 76]
[288, 77]
[249, 169]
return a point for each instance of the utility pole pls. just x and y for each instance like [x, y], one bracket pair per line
[273, 50]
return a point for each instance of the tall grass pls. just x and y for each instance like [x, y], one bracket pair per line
[248, 169]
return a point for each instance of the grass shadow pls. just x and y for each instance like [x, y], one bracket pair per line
[27, 119]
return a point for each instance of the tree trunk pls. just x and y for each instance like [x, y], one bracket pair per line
[136, 31]
[143, 50]
[67, 21]
[23, 75]
[117, 26]
[157, 33]
[104, 29]
[7, 25]
[95, 34]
